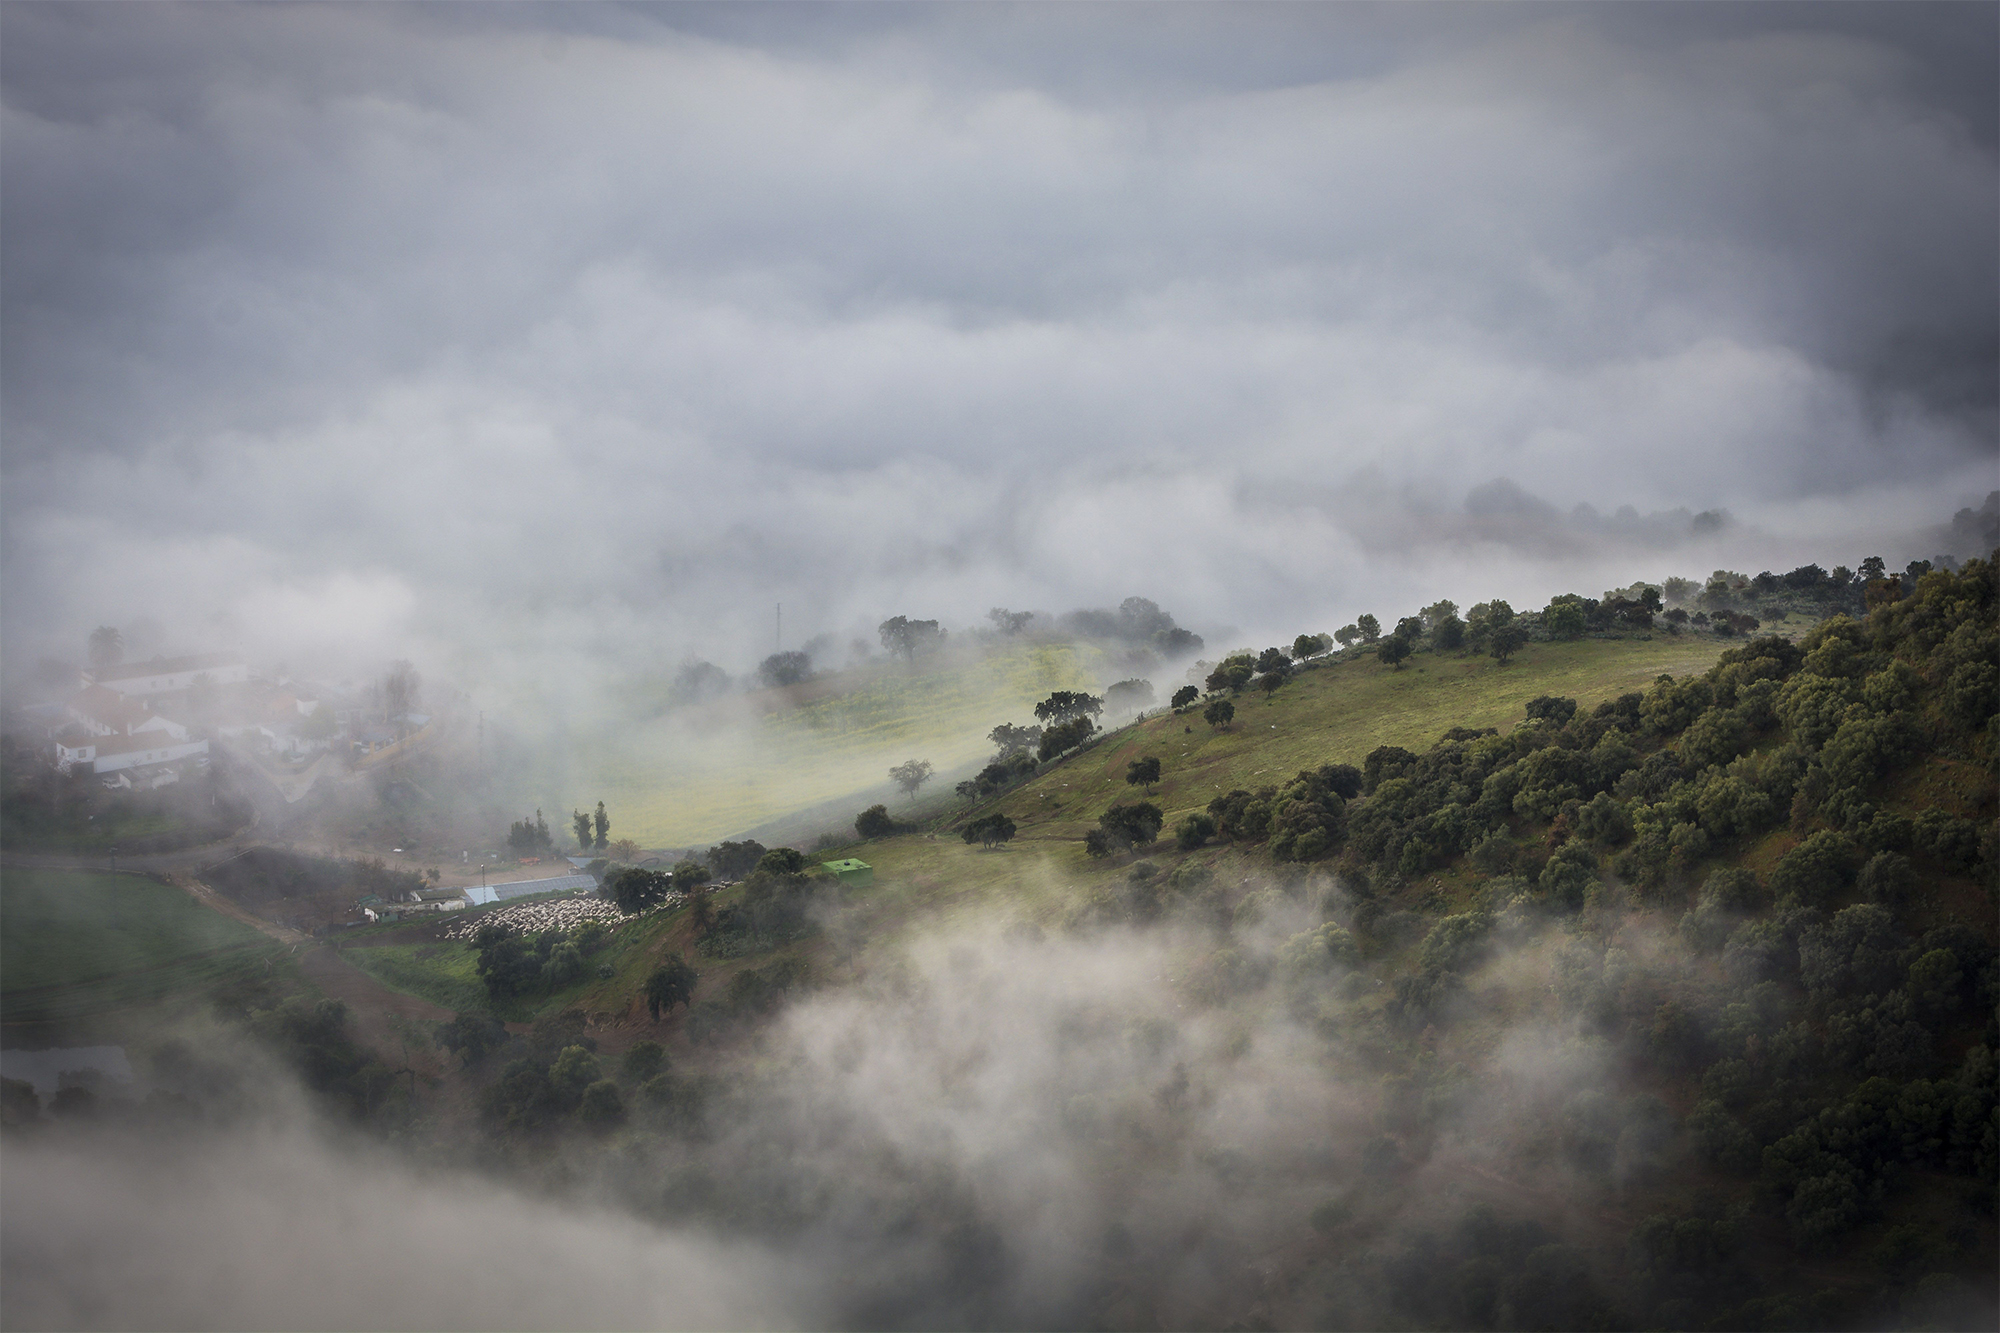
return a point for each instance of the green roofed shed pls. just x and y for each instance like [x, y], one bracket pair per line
[850, 871]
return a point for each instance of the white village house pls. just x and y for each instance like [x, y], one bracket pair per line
[113, 733]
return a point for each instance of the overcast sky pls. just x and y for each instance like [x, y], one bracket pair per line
[510, 338]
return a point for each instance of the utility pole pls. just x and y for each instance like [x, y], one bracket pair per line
[778, 644]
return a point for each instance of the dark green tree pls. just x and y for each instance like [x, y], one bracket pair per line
[1219, 713]
[877, 822]
[701, 911]
[1009, 622]
[671, 983]
[1068, 736]
[1370, 627]
[1504, 640]
[1564, 618]
[1134, 825]
[1393, 651]
[989, 831]
[782, 669]
[1143, 773]
[908, 639]
[1193, 831]
[603, 825]
[1066, 706]
[472, 1036]
[733, 860]
[1009, 739]
[635, 890]
[782, 861]
[581, 822]
[1184, 696]
[646, 1059]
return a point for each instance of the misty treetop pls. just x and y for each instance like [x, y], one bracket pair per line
[910, 639]
[785, 668]
[910, 775]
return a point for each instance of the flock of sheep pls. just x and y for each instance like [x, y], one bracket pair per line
[533, 918]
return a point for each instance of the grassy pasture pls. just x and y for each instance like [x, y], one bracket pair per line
[78, 943]
[1336, 713]
[672, 784]
[441, 971]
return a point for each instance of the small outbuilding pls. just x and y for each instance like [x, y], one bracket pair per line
[850, 871]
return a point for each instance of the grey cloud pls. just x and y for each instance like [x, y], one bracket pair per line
[622, 320]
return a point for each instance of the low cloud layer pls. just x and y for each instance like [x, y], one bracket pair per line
[533, 341]
[991, 1130]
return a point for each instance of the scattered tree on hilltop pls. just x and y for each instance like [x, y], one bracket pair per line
[733, 860]
[1370, 628]
[1009, 622]
[1066, 706]
[1058, 740]
[1394, 650]
[697, 682]
[1503, 641]
[1232, 673]
[910, 639]
[787, 668]
[1219, 713]
[1129, 696]
[1184, 696]
[1564, 618]
[1347, 635]
[910, 775]
[1009, 739]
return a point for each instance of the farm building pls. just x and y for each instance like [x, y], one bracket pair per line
[850, 871]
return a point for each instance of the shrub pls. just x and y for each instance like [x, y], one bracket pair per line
[877, 822]
[1193, 831]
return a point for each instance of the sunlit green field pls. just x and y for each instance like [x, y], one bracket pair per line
[675, 782]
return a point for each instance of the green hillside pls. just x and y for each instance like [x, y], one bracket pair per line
[1646, 980]
[706, 772]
